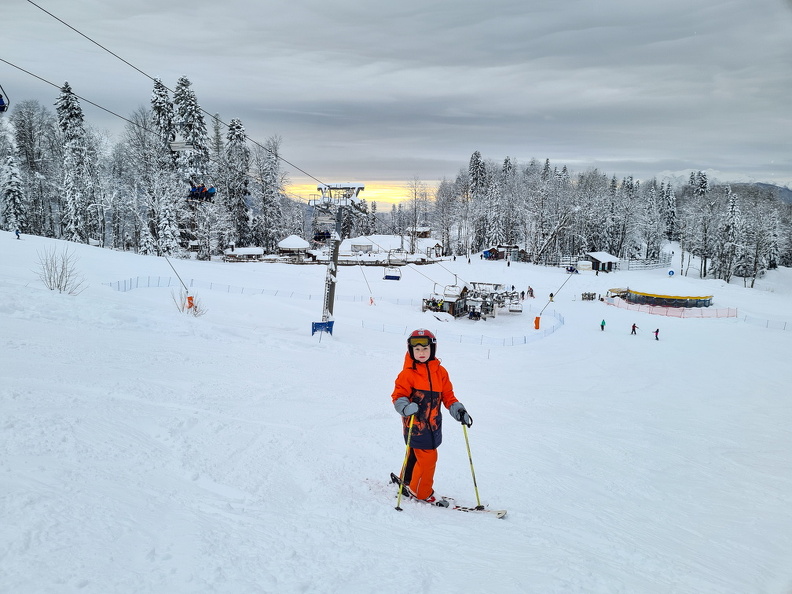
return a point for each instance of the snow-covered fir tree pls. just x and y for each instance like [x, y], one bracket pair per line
[651, 224]
[268, 221]
[13, 211]
[373, 225]
[729, 240]
[164, 116]
[670, 211]
[236, 182]
[70, 122]
[191, 126]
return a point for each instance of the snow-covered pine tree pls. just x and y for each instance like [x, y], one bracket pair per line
[168, 240]
[394, 220]
[372, 219]
[148, 245]
[651, 223]
[268, 223]
[704, 212]
[164, 123]
[191, 126]
[726, 243]
[216, 144]
[760, 242]
[511, 207]
[13, 211]
[70, 122]
[494, 229]
[361, 226]
[670, 211]
[236, 182]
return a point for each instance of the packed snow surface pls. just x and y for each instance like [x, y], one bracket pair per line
[149, 450]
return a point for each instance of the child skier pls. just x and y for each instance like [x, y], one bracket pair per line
[421, 387]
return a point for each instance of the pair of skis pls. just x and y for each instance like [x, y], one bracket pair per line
[448, 502]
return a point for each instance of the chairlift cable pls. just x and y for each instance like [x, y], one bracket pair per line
[75, 94]
[558, 290]
[364, 276]
[137, 124]
[177, 275]
[213, 116]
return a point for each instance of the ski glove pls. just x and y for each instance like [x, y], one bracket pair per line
[459, 413]
[404, 407]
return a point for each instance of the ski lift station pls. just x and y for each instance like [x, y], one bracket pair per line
[475, 300]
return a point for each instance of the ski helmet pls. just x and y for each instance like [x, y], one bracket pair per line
[422, 336]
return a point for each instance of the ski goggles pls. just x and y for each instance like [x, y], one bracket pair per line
[419, 341]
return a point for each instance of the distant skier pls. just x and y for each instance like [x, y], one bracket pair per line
[602, 325]
[656, 333]
[634, 328]
[17, 234]
[421, 387]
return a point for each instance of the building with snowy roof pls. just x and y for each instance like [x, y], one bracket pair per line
[603, 261]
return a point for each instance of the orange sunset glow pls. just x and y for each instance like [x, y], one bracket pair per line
[381, 192]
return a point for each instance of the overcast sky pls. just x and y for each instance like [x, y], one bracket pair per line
[375, 91]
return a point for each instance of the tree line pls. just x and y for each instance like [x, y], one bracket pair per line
[61, 178]
[551, 214]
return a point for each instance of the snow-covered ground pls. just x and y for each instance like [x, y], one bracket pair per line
[146, 450]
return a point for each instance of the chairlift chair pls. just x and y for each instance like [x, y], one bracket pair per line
[515, 307]
[201, 194]
[4, 102]
[392, 273]
[179, 146]
[322, 236]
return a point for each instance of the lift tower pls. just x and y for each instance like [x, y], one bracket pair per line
[329, 209]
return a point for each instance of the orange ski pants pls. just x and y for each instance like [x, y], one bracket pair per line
[422, 481]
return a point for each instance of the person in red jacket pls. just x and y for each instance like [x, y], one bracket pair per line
[421, 388]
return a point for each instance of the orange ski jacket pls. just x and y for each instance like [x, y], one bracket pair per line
[426, 384]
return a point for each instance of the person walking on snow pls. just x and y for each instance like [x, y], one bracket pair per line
[634, 328]
[656, 332]
[421, 387]
[602, 325]
[17, 233]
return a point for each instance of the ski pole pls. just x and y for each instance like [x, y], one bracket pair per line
[472, 472]
[404, 464]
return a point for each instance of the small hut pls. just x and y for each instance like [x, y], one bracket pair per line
[603, 261]
[294, 246]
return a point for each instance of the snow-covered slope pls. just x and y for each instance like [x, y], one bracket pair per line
[145, 450]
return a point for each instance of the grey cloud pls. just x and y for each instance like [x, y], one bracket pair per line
[394, 89]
